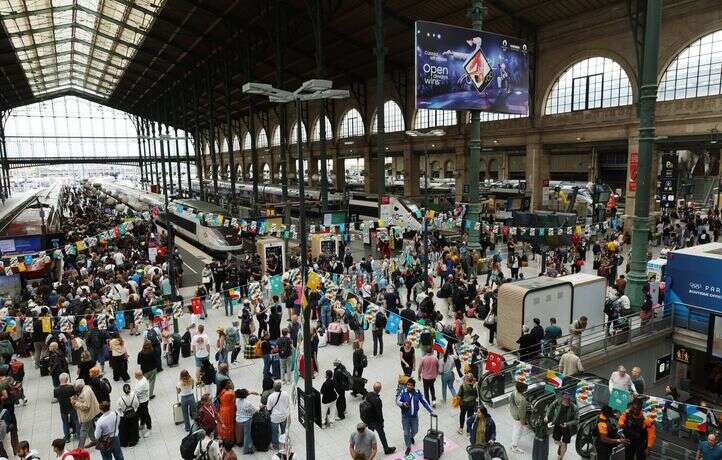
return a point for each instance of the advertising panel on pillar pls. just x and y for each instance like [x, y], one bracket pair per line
[464, 69]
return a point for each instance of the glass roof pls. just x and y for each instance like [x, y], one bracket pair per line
[83, 45]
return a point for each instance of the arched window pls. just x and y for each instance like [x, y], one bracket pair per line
[590, 84]
[262, 139]
[222, 145]
[426, 118]
[293, 136]
[236, 143]
[316, 131]
[695, 72]
[393, 118]
[491, 116]
[276, 138]
[247, 141]
[351, 125]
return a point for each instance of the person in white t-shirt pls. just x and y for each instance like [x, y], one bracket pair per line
[200, 345]
[279, 405]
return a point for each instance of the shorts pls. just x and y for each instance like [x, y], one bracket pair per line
[562, 433]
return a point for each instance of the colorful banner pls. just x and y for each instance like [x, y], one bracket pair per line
[554, 381]
[393, 323]
[197, 306]
[440, 343]
[522, 372]
[696, 419]
[494, 362]
[584, 393]
[276, 283]
[619, 399]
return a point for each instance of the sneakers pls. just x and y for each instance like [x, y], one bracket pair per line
[433, 403]
[408, 451]
[516, 450]
[146, 433]
[390, 450]
[460, 431]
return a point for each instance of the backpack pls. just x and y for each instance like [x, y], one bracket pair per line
[189, 443]
[232, 338]
[380, 321]
[6, 348]
[77, 454]
[366, 411]
[342, 379]
[17, 370]
[353, 322]
[128, 411]
[203, 455]
[153, 337]
[106, 384]
[284, 347]
[634, 429]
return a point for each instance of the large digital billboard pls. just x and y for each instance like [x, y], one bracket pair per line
[464, 69]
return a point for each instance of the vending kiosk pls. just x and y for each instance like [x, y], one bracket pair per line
[272, 252]
[328, 244]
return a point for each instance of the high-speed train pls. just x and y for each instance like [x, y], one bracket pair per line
[207, 235]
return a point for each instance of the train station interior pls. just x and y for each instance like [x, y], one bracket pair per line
[216, 214]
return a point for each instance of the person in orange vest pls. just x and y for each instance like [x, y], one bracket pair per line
[638, 430]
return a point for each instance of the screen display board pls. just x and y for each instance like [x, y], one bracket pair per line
[714, 338]
[464, 69]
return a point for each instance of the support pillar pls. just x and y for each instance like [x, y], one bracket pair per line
[200, 161]
[412, 168]
[380, 185]
[647, 102]
[229, 132]
[632, 174]
[537, 170]
[504, 166]
[373, 174]
[339, 169]
[472, 216]
[140, 152]
[155, 152]
[212, 133]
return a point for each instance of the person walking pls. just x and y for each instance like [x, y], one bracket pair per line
[409, 401]
[118, 358]
[481, 427]
[408, 358]
[187, 398]
[227, 412]
[468, 396]
[378, 325]
[360, 361]
[709, 449]
[428, 371]
[447, 364]
[362, 442]
[607, 434]
[285, 350]
[128, 408]
[233, 341]
[244, 414]
[280, 405]
[328, 399]
[518, 410]
[376, 423]
[87, 406]
[106, 432]
[142, 391]
[563, 416]
[64, 393]
[639, 430]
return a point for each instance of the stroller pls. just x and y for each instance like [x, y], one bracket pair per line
[490, 451]
[173, 354]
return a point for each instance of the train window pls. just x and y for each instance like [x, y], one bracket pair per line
[185, 224]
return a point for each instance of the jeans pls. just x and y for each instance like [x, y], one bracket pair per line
[464, 413]
[247, 440]
[70, 420]
[116, 452]
[327, 411]
[411, 427]
[325, 316]
[188, 406]
[378, 339]
[98, 356]
[228, 305]
[429, 388]
[379, 429]
[286, 369]
[447, 381]
[222, 356]
[266, 365]
[150, 375]
[275, 432]
[517, 432]
[37, 351]
[86, 429]
[234, 354]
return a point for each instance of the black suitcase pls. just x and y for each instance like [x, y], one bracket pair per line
[335, 338]
[186, 344]
[358, 386]
[434, 440]
[44, 370]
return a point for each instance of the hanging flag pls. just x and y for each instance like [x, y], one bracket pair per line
[393, 323]
[120, 319]
[8, 271]
[102, 322]
[177, 310]
[28, 260]
[28, 325]
[83, 325]
[45, 323]
[234, 293]
[11, 326]
[619, 399]
[65, 324]
[554, 381]
[440, 344]
[653, 408]
[314, 281]
[276, 282]
[138, 317]
[494, 363]
[696, 419]
[21, 267]
[196, 306]
[522, 372]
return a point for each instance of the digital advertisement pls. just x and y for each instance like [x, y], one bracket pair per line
[464, 69]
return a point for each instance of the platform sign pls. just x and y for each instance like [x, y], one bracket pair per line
[316, 398]
[464, 69]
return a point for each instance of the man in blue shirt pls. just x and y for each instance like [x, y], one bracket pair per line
[709, 449]
[409, 402]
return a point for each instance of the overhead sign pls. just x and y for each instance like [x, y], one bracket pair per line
[464, 69]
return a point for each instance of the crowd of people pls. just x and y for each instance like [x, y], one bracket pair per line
[113, 290]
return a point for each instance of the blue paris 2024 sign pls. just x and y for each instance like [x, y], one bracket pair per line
[464, 69]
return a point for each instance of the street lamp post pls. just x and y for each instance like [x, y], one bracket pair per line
[424, 221]
[308, 91]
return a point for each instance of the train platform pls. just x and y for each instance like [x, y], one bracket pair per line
[9, 207]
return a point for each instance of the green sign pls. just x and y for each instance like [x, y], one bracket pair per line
[334, 218]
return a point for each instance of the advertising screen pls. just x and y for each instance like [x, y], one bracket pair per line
[464, 69]
[714, 338]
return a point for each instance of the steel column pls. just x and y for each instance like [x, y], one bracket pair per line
[155, 154]
[178, 162]
[380, 77]
[170, 165]
[146, 153]
[185, 141]
[279, 20]
[472, 168]
[321, 73]
[647, 103]
[307, 350]
[197, 143]
[140, 152]
[229, 132]
[211, 132]
[252, 129]
[169, 228]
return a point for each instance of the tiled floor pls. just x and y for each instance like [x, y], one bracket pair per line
[40, 422]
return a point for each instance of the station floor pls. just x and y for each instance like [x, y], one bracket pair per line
[39, 422]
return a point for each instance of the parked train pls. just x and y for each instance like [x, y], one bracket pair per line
[213, 239]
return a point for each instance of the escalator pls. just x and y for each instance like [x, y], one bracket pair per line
[494, 385]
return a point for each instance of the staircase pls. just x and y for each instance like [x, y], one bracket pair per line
[704, 189]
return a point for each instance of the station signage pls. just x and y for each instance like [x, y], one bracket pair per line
[668, 181]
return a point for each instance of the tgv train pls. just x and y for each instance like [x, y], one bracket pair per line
[213, 239]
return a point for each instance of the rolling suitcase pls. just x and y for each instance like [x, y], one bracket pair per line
[177, 412]
[358, 386]
[434, 440]
[334, 338]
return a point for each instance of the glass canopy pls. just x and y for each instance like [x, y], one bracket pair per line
[84, 45]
